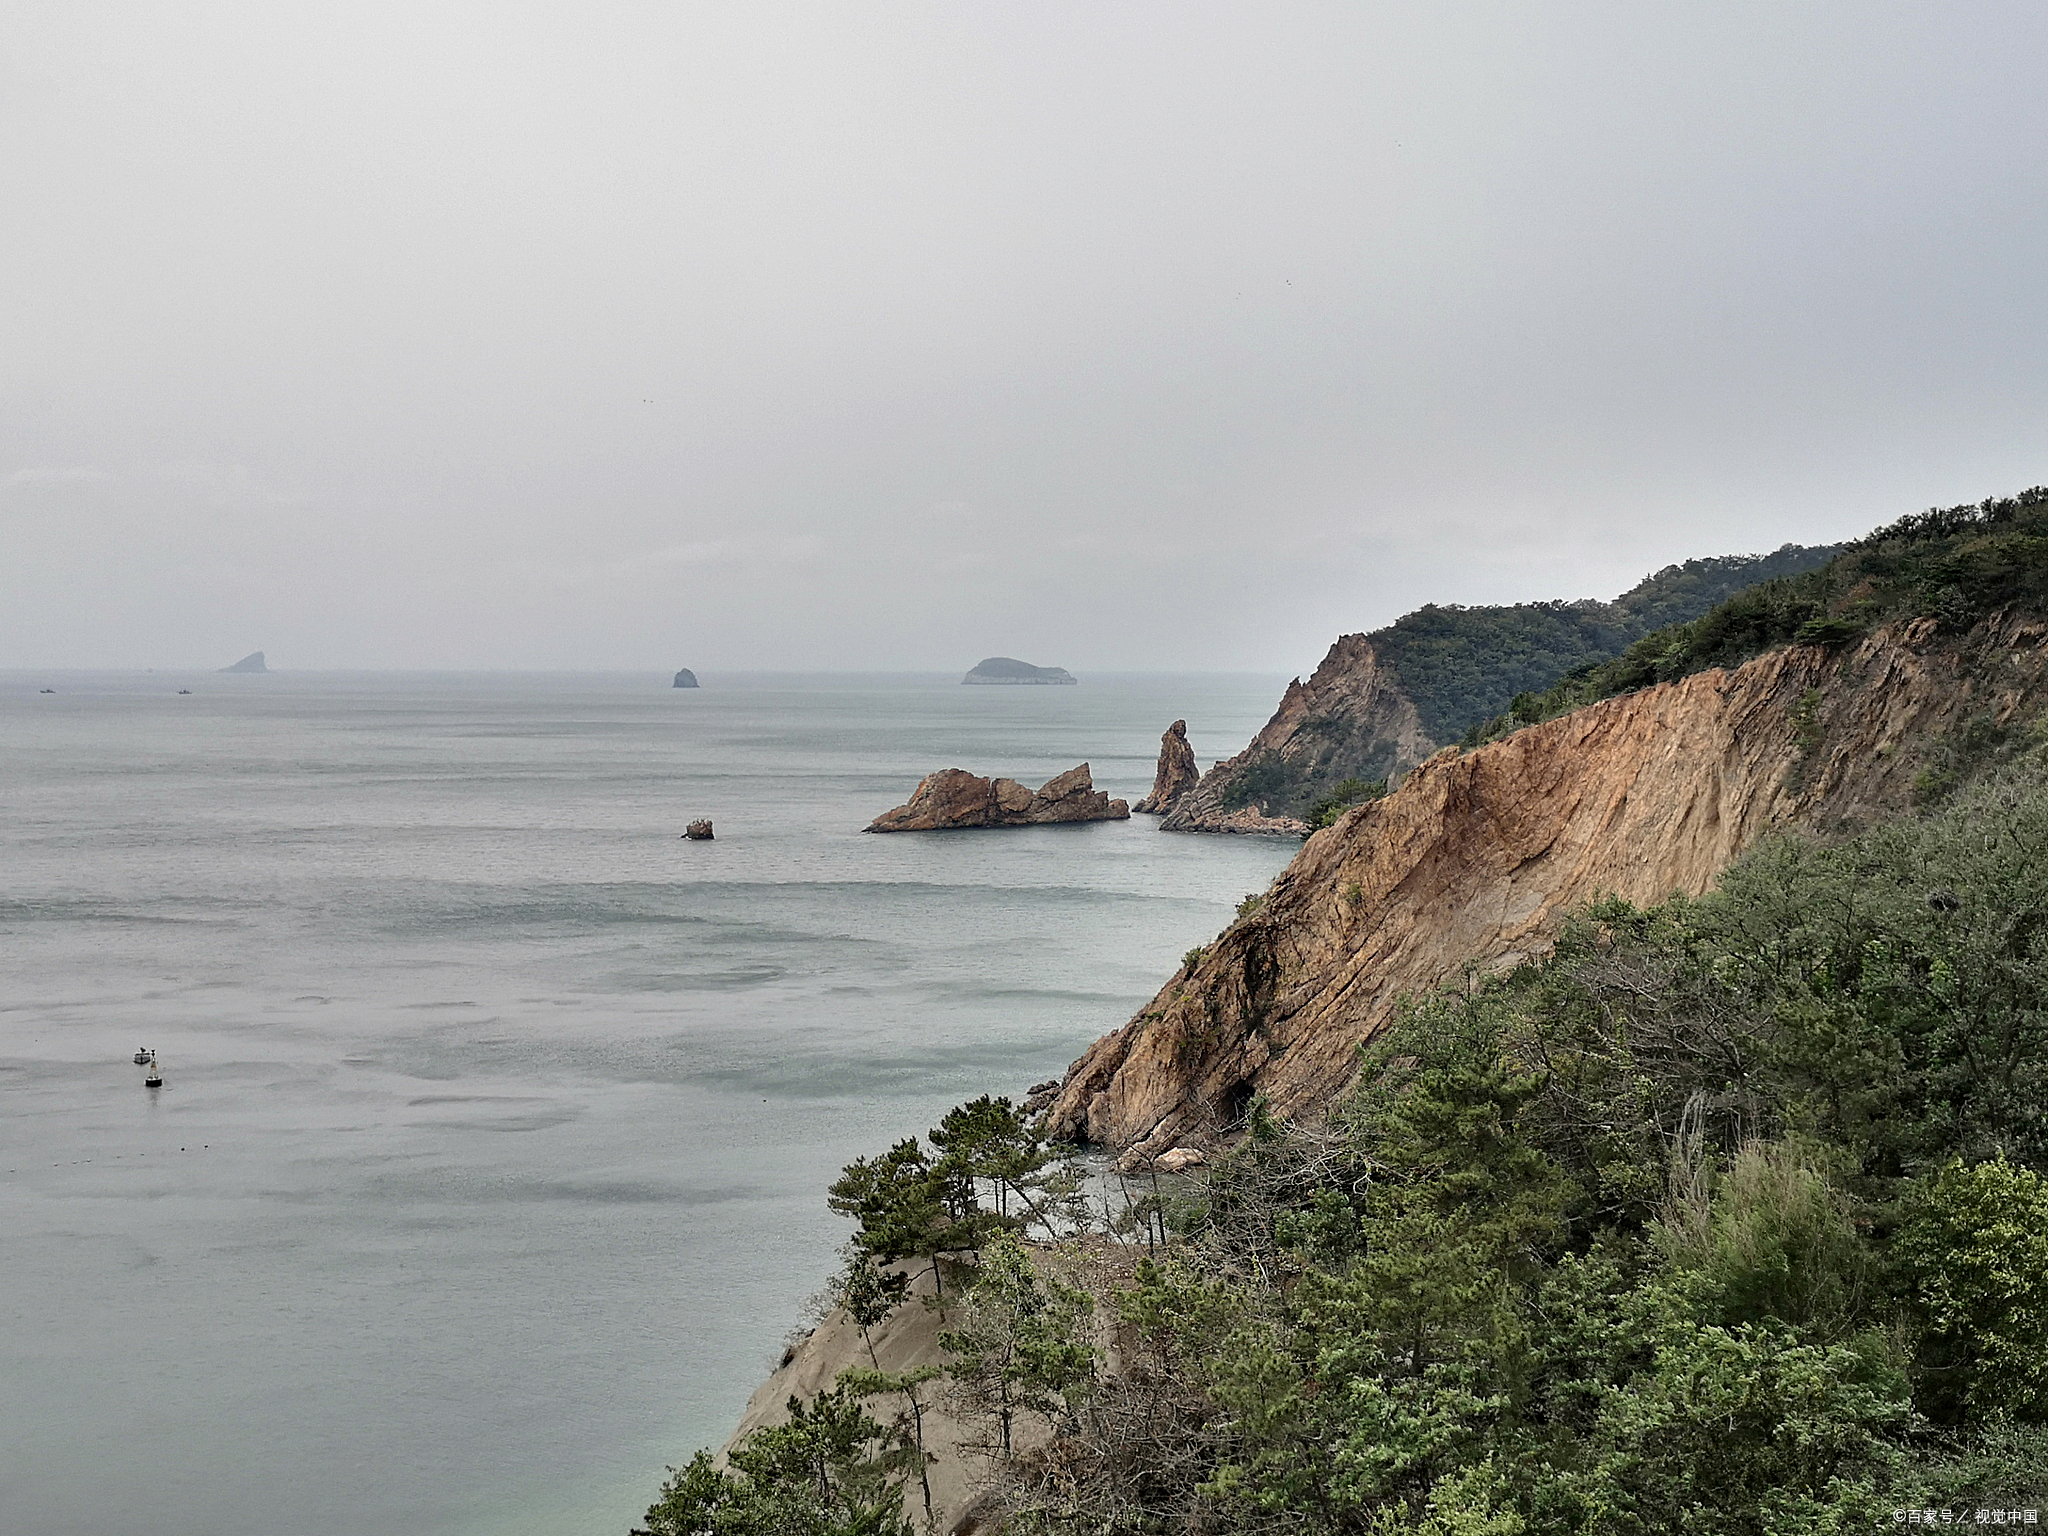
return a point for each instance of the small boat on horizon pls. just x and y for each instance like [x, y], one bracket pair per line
[144, 1056]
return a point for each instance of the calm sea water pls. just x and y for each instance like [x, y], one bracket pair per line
[488, 1172]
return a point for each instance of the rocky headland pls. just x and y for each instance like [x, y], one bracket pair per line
[1176, 775]
[1477, 857]
[954, 798]
[1007, 670]
[1380, 703]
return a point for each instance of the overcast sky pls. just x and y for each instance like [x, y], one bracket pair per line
[893, 336]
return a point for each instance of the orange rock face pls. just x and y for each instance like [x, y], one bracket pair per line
[1478, 858]
[953, 798]
[1176, 775]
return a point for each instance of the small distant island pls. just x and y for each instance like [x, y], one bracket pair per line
[685, 679]
[253, 662]
[1007, 669]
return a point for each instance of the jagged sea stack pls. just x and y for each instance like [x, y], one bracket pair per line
[1177, 773]
[954, 798]
[685, 679]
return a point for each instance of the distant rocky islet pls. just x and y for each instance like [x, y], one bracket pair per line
[1007, 670]
[954, 799]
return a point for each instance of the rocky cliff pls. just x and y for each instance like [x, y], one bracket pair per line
[954, 798]
[1478, 857]
[1351, 719]
[1380, 703]
[1177, 772]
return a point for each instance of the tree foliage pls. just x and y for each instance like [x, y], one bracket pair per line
[826, 1472]
[1727, 1216]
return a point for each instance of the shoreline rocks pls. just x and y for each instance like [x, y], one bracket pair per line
[953, 798]
[1176, 775]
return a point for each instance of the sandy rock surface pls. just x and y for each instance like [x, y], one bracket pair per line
[1479, 856]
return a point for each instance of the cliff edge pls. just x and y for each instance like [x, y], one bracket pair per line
[1478, 857]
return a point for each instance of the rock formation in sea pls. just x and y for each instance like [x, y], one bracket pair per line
[953, 798]
[1382, 702]
[253, 662]
[1477, 857]
[685, 679]
[1177, 772]
[1007, 669]
[698, 831]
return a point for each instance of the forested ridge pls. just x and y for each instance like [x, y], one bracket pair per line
[1953, 565]
[1462, 665]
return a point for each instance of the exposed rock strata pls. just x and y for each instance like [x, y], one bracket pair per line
[1315, 734]
[953, 798]
[1177, 772]
[1478, 858]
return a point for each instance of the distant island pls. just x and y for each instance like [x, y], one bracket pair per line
[1007, 669]
[685, 679]
[253, 662]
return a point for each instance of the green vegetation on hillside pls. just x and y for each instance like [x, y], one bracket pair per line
[1463, 665]
[1955, 565]
[1460, 666]
[1729, 1217]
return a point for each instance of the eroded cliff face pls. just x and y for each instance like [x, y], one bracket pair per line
[1351, 719]
[1478, 858]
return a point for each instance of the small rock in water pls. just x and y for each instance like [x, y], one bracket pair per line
[698, 832]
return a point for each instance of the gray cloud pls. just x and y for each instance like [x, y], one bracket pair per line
[1113, 336]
